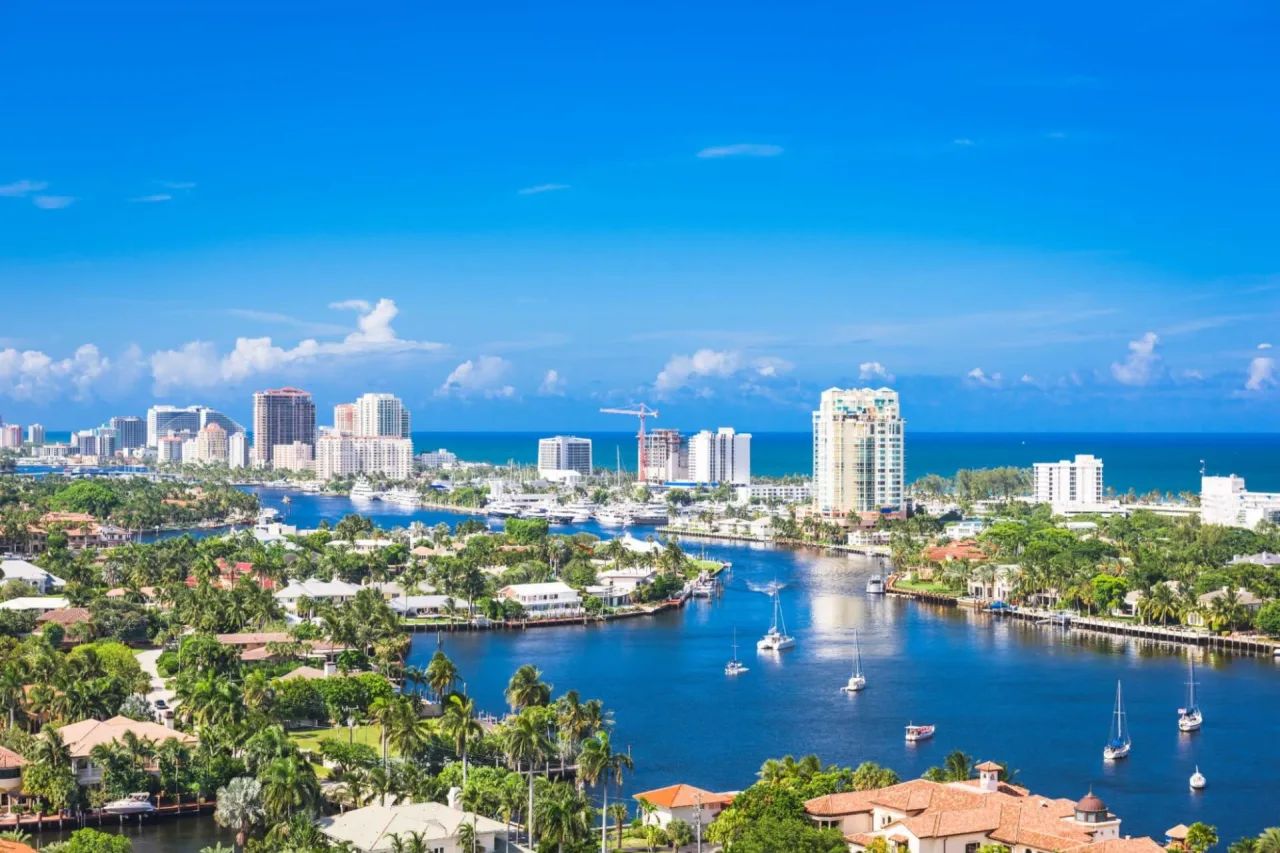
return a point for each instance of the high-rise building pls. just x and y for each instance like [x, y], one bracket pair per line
[437, 459]
[381, 414]
[86, 442]
[1069, 485]
[1226, 501]
[348, 455]
[35, 435]
[107, 441]
[297, 456]
[282, 416]
[131, 432]
[858, 452]
[169, 449]
[10, 436]
[564, 453]
[238, 450]
[666, 456]
[723, 456]
[344, 418]
[184, 421]
[211, 446]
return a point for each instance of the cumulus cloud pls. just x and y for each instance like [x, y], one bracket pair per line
[1264, 346]
[552, 384]
[22, 188]
[198, 363]
[681, 371]
[537, 189]
[741, 149]
[53, 202]
[1262, 374]
[874, 370]
[481, 377]
[1140, 366]
[770, 366]
[35, 375]
[980, 377]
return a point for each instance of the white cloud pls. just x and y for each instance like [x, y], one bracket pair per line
[1264, 346]
[351, 305]
[870, 370]
[1140, 366]
[771, 366]
[741, 149]
[536, 189]
[679, 369]
[34, 375]
[552, 384]
[1262, 374]
[53, 202]
[197, 363]
[177, 185]
[23, 188]
[1191, 374]
[962, 141]
[481, 377]
[153, 198]
[980, 377]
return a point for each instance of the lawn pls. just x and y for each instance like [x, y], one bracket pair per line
[922, 586]
[309, 739]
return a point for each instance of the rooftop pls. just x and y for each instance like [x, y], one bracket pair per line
[681, 795]
[83, 736]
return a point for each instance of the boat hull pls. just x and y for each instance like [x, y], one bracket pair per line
[855, 684]
[1115, 753]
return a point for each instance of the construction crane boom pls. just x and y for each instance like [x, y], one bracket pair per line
[640, 411]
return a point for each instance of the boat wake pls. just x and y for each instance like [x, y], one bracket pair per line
[766, 588]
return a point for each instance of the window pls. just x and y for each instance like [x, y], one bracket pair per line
[971, 848]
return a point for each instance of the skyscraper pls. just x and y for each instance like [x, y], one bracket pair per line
[131, 432]
[281, 416]
[211, 445]
[185, 421]
[344, 418]
[858, 450]
[666, 457]
[1069, 484]
[380, 415]
[35, 435]
[564, 453]
[723, 456]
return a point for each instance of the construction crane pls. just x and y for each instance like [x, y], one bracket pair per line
[641, 411]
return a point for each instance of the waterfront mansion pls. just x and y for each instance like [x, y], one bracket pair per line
[920, 816]
[543, 600]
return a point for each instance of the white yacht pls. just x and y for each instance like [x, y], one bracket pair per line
[1197, 780]
[915, 733]
[1190, 718]
[363, 491]
[502, 510]
[139, 803]
[735, 666]
[777, 638]
[402, 497]
[875, 585]
[857, 681]
[612, 518]
[1119, 743]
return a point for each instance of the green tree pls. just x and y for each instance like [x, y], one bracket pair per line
[1268, 619]
[92, 841]
[459, 724]
[1201, 836]
[240, 807]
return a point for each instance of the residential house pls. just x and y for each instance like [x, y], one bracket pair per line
[682, 802]
[554, 598]
[993, 583]
[376, 828]
[334, 591]
[33, 602]
[1200, 617]
[32, 575]
[83, 736]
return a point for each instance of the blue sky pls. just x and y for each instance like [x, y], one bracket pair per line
[1023, 217]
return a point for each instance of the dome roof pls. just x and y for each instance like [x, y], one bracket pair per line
[1090, 803]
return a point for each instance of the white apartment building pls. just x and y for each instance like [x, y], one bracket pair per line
[349, 455]
[211, 446]
[35, 435]
[723, 456]
[564, 453]
[438, 459]
[184, 420]
[298, 456]
[1226, 501]
[380, 415]
[1069, 485]
[238, 450]
[10, 436]
[344, 418]
[169, 449]
[544, 599]
[788, 493]
[858, 451]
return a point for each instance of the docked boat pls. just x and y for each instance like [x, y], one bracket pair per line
[857, 681]
[916, 734]
[1197, 781]
[735, 666]
[875, 585]
[560, 515]
[1119, 743]
[402, 497]
[501, 510]
[364, 491]
[1191, 717]
[777, 638]
[612, 518]
[134, 804]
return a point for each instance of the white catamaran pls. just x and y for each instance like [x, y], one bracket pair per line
[735, 666]
[1190, 718]
[1118, 745]
[857, 681]
[777, 637]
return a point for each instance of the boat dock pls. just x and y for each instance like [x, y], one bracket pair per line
[39, 822]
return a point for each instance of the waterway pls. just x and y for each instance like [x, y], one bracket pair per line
[1037, 698]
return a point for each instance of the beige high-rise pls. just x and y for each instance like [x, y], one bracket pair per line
[858, 455]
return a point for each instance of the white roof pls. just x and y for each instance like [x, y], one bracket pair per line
[313, 588]
[33, 602]
[634, 573]
[371, 828]
[420, 602]
[549, 588]
[23, 571]
[640, 546]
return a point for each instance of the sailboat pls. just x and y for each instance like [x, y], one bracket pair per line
[1197, 781]
[856, 681]
[777, 637]
[734, 666]
[1118, 746]
[1190, 718]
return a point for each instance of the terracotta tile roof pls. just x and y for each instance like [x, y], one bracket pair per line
[966, 549]
[83, 736]
[65, 616]
[1120, 845]
[15, 847]
[1177, 833]
[9, 758]
[680, 796]
[260, 638]
[990, 767]
[308, 672]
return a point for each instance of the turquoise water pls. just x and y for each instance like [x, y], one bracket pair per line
[1168, 462]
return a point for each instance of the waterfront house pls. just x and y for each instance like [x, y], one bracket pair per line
[10, 774]
[920, 816]
[993, 583]
[80, 739]
[627, 580]
[612, 596]
[375, 828]
[1198, 618]
[66, 618]
[425, 606]
[1262, 558]
[968, 528]
[334, 591]
[32, 575]
[551, 599]
[35, 602]
[682, 802]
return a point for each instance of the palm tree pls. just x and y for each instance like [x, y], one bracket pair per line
[527, 689]
[288, 784]
[958, 766]
[459, 724]
[618, 814]
[599, 763]
[525, 741]
[240, 807]
[1269, 840]
[442, 674]
[564, 815]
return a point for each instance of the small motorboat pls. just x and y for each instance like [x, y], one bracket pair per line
[857, 681]
[1197, 780]
[139, 803]
[1119, 743]
[919, 733]
[875, 585]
